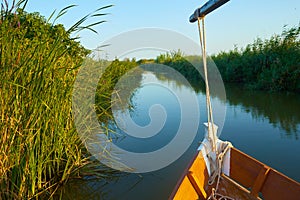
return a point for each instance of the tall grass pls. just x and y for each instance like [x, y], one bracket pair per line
[107, 83]
[272, 64]
[39, 146]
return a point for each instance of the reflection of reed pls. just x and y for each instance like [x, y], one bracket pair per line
[281, 109]
[90, 188]
[163, 74]
[190, 67]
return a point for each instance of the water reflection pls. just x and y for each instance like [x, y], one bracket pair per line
[279, 109]
[282, 110]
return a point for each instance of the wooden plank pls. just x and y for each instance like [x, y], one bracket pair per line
[200, 175]
[230, 188]
[260, 180]
[243, 168]
[182, 177]
[279, 186]
[198, 186]
[186, 191]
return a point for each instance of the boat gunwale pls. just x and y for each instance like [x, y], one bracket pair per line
[256, 187]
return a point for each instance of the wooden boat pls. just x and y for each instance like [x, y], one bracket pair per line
[241, 177]
[220, 171]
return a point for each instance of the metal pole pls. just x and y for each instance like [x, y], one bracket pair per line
[206, 8]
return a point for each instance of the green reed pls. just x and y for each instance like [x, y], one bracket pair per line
[39, 146]
[106, 86]
[272, 64]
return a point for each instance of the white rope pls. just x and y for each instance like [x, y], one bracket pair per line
[212, 137]
[211, 130]
[214, 194]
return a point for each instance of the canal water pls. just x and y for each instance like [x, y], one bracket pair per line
[264, 125]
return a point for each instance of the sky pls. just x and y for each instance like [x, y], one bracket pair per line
[237, 23]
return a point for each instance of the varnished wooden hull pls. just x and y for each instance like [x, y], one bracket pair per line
[246, 178]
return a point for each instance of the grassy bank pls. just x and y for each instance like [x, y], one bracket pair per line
[39, 146]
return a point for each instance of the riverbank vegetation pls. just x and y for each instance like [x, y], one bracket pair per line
[271, 65]
[109, 81]
[189, 66]
[39, 146]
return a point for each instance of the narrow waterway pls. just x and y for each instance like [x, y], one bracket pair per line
[263, 125]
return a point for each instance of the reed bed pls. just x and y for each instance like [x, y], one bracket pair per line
[272, 64]
[39, 146]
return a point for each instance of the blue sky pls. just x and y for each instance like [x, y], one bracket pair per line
[238, 22]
